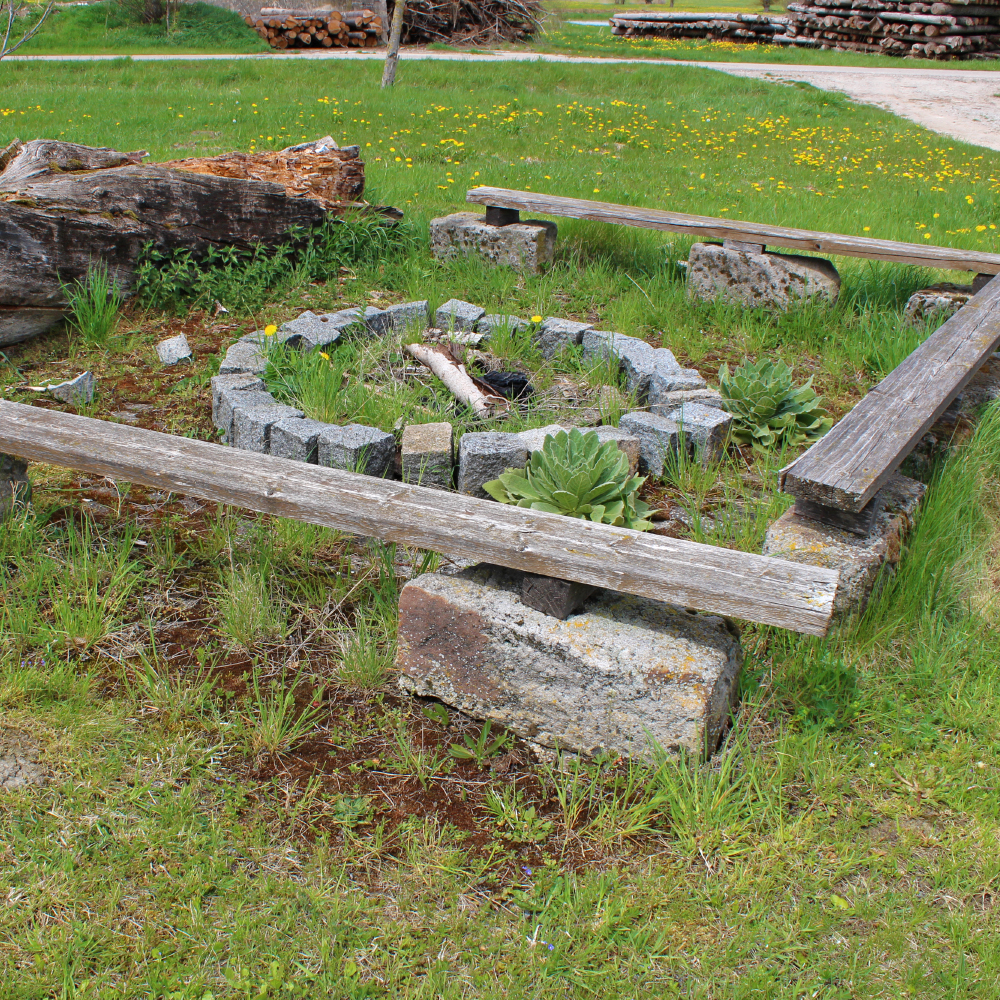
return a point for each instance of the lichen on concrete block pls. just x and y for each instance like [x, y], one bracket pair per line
[623, 676]
[526, 246]
[772, 280]
[860, 560]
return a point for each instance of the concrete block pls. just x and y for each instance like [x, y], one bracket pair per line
[555, 334]
[238, 382]
[15, 488]
[458, 315]
[526, 246]
[939, 302]
[623, 673]
[173, 349]
[296, 438]
[658, 437]
[245, 357]
[493, 322]
[376, 323]
[252, 424]
[356, 448]
[230, 399]
[76, 391]
[773, 280]
[650, 372]
[859, 559]
[428, 455]
[705, 428]
[484, 455]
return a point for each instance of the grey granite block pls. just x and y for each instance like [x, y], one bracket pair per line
[252, 424]
[658, 437]
[76, 391]
[244, 356]
[296, 438]
[705, 428]
[534, 440]
[671, 400]
[458, 315]
[238, 382]
[555, 334]
[493, 322]
[229, 399]
[356, 448]
[484, 455]
[173, 349]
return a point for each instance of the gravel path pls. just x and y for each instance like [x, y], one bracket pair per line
[960, 103]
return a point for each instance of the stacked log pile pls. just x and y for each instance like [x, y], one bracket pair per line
[302, 29]
[735, 27]
[478, 21]
[927, 30]
[887, 27]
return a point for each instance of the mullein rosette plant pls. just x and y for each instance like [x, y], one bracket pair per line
[768, 410]
[576, 475]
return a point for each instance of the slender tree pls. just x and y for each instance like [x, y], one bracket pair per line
[395, 36]
[7, 46]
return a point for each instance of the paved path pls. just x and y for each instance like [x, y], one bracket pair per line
[960, 103]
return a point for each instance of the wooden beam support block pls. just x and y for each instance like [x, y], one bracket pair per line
[859, 523]
[551, 596]
[496, 216]
[745, 247]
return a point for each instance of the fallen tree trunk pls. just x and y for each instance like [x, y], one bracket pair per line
[65, 207]
[457, 380]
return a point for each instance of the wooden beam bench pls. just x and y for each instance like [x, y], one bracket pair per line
[503, 207]
[740, 584]
[838, 479]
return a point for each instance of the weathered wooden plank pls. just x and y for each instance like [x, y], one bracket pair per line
[705, 227]
[770, 591]
[848, 466]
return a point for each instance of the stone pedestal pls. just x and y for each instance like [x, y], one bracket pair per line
[937, 303]
[772, 280]
[624, 672]
[859, 559]
[527, 246]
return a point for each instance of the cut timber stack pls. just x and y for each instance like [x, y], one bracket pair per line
[885, 27]
[324, 28]
[927, 30]
[734, 27]
[480, 22]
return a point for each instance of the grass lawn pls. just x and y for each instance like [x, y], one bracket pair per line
[240, 803]
[100, 28]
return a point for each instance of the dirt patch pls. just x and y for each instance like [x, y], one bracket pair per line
[19, 765]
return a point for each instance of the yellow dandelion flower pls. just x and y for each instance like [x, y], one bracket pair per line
[270, 330]
[536, 319]
[324, 355]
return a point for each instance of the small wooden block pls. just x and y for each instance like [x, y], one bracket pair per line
[745, 247]
[551, 596]
[496, 216]
[859, 523]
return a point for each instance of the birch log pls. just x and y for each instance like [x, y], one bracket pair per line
[457, 380]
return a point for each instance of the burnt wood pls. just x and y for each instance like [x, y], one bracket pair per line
[758, 588]
[847, 467]
[705, 227]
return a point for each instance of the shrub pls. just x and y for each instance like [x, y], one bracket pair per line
[768, 411]
[574, 474]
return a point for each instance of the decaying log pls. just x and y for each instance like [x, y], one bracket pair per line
[457, 380]
[64, 207]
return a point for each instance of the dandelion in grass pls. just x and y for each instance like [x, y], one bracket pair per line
[270, 330]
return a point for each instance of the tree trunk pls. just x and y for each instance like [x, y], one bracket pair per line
[395, 36]
[63, 207]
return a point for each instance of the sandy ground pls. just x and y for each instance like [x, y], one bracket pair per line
[960, 103]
